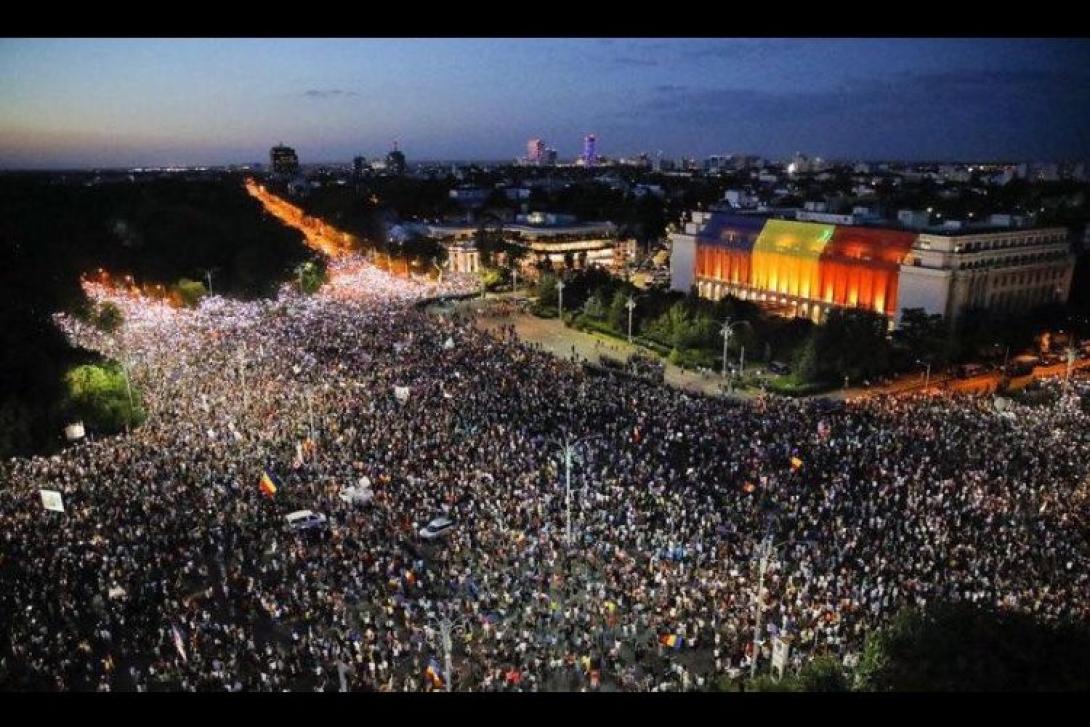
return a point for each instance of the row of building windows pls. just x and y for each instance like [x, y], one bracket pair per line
[1052, 275]
[1014, 260]
[1023, 299]
[1006, 242]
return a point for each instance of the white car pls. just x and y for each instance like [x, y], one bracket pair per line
[436, 528]
[305, 520]
[356, 495]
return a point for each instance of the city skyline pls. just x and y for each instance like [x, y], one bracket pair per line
[124, 103]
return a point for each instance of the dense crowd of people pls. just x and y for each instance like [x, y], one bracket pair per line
[170, 569]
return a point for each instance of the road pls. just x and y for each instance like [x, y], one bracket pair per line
[319, 236]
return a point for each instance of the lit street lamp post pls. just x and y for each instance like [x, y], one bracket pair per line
[447, 627]
[631, 305]
[568, 448]
[727, 330]
[560, 292]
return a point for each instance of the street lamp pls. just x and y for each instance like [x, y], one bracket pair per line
[447, 627]
[726, 331]
[560, 292]
[568, 448]
[631, 305]
[927, 379]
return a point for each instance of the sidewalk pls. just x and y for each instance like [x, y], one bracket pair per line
[562, 342]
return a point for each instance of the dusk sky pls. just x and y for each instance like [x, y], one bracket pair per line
[76, 103]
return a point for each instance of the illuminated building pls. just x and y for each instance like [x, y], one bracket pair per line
[807, 268]
[285, 163]
[590, 150]
[395, 161]
[535, 151]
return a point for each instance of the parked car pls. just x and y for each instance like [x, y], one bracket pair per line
[436, 528]
[779, 367]
[305, 520]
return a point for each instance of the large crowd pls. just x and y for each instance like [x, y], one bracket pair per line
[170, 569]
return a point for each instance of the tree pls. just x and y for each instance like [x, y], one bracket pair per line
[594, 307]
[108, 317]
[617, 313]
[851, 343]
[311, 275]
[922, 335]
[190, 292]
[490, 277]
[959, 647]
[546, 292]
[98, 394]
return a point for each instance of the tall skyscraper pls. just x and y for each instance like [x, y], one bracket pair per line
[535, 151]
[395, 161]
[285, 163]
[358, 165]
[590, 151]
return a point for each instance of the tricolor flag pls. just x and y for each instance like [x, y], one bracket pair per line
[672, 641]
[179, 643]
[269, 484]
[796, 463]
[434, 673]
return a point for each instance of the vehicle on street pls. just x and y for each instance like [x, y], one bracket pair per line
[436, 528]
[305, 520]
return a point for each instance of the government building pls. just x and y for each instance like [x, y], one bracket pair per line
[806, 269]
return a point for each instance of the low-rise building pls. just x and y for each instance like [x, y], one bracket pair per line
[808, 268]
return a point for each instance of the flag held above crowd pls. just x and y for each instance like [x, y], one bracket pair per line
[269, 484]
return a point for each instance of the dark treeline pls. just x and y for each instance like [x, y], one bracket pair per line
[158, 231]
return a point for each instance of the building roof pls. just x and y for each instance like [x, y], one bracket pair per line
[869, 244]
[802, 239]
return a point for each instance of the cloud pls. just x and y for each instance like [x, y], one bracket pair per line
[970, 114]
[327, 93]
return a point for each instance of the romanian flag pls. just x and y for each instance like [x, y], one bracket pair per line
[434, 673]
[268, 484]
[796, 463]
[672, 641]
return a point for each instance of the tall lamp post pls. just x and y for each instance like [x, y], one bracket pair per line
[568, 449]
[727, 331]
[631, 305]
[927, 376]
[764, 552]
[1070, 365]
[447, 627]
[560, 293]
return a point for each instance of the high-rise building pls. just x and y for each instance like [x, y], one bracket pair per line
[358, 165]
[590, 150]
[535, 151]
[550, 156]
[285, 163]
[395, 161]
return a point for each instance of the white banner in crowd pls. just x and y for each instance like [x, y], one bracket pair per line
[449, 343]
[402, 393]
[74, 431]
[51, 500]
